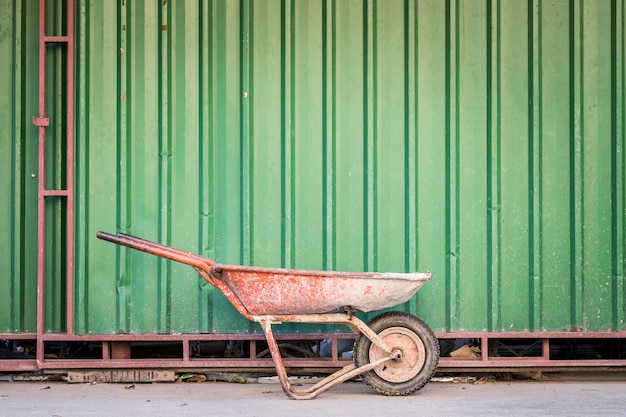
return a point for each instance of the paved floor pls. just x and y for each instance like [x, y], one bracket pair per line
[549, 397]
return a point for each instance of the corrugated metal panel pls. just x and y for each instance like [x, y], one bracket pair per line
[483, 141]
[56, 136]
[160, 154]
[470, 139]
[18, 150]
[18, 218]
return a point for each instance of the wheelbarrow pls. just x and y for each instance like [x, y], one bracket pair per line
[395, 353]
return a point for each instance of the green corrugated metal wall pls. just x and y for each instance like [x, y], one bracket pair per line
[18, 153]
[481, 140]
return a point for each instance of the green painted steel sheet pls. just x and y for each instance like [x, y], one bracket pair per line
[480, 140]
[18, 169]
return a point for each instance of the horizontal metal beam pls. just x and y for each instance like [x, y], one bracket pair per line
[485, 361]
[531, 335]
[528, 362]
[444, 363]
[304, 336]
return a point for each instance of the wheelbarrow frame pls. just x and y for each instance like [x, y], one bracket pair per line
[211, 272]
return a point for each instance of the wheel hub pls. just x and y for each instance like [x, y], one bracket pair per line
[408, 355]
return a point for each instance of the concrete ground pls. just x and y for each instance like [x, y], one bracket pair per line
[558, 395]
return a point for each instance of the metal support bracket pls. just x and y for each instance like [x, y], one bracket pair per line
[41, 121]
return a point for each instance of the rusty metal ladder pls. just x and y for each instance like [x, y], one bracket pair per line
[41, 121]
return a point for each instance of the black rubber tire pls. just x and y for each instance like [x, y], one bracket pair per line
[402, 331]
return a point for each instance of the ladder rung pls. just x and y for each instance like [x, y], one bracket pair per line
[55, 193]
[56, 39]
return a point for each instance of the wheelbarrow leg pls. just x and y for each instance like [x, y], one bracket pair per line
[344, 374]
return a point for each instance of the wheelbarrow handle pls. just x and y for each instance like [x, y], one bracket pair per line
[158, 249]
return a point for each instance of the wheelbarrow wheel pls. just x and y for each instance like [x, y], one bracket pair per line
[418, 354]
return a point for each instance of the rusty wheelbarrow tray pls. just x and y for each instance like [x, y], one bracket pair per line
[395, 353]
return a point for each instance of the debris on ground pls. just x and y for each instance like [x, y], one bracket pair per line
[466, 352]
[191, 378]
[237, 380]
[25, 377]
[108, 376]
[485, 379]
[464, 379]
[479, 379]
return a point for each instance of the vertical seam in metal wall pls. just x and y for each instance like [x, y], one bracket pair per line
[17, 173]
[328, 133]
[333, 264]
[126, 178]
[250, 126]
[16, 169]
[370, 109]
[416, 137]
[417, 155]
[123, 185]
[498, 300]
[448, 128]
[410, 161]
[204, 146]
[622, 144]
[498, 221]
[365, 135]
[620, 138]
[539, 166]
[617, 275]
[452, 163]
[160, 104]
[242, 200]
[614, 194]
[201, 132]
[292, 139]
[283, 137]
[531, 166]
[249, 120]
[169, 156]
[494, 172]
[371, 174]
[374, 139]
[530, 138]
[22, 136]
[414, 163]
[407, 155]
[286, 128]
[82, 165]
[576, 163]
[538, 176]
[325, 200]
[213, 146]
[489, 170]
[164, 165]
[211, 149]
[457, 164]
